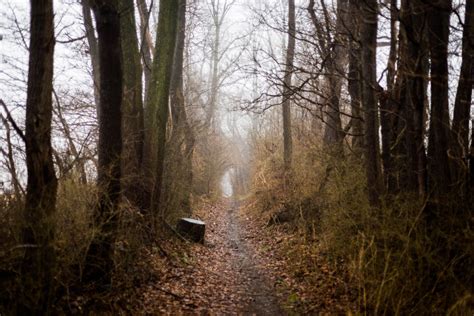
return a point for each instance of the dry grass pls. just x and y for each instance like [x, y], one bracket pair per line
[398, 265]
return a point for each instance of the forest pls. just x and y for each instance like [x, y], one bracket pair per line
[236, 157]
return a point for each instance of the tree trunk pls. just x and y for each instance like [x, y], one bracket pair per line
[411, 151]
[99, 258]
[157, 109]
[179, 174]
[132, 106]
[388, 106]
[333, 134]
[462, 104]
[354, 76]
[438, 164]
[369, 98]
[146, 45]
[39, 261]
[290, 54]
[93, 51]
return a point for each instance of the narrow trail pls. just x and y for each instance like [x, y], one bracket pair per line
[223, 276]
[255, 287]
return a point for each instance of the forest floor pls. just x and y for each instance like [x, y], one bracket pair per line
[244, 267]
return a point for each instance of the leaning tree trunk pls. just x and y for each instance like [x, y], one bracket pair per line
[99, 258]
[39, 261]
[132, 106]
[290, 55]
[369, 98]
[157, 105]
[438, 32]
[462, 104]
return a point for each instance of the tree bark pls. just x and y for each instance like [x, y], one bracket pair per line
[354, 77]
[146, 45]
[99, 259]
[132, 106]
[290, 55]
[39, 262]
[179, 174]
[369, 98]
[157, 109]
[388, 106]
[333, 134]
[411, 163]
[462, 104]
[438, 164]
[93, 51]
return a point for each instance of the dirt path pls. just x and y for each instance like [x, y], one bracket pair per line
[223, 276]
[258, 295]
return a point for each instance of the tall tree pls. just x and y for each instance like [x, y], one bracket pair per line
[93, 50]
[99, 259]
[410, 130]
[290, 56]
[368, 38]
[354, 84]
[157, 103]
[462, 104]
[132, 105]
[388, 105]
[336, 55]
[179, 173]
[438, 33]
[39, 261]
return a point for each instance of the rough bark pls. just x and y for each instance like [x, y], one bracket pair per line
[354, 76]
[132, 106]
[462, 104]
[290, 55]
[99, 258]
[179, 173]
[438, 32]
[369, 99]
[157, 107]
[333, 134]
[411, 163]
[39, 260]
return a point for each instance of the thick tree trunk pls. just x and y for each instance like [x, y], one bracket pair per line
[438, 164]
[39, 261]
[333, 134]
[354, 76]
[462, 105]
[179, 174]
[157, 109]
[99, 258]
[290, 55]
[132, 106]
[369, 98]
[411, 162]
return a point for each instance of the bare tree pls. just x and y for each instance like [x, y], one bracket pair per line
[99, 259]
[39, 262]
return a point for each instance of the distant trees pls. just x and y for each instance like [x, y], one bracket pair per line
[39, 262]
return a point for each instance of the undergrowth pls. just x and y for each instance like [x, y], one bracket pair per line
[398, 261]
